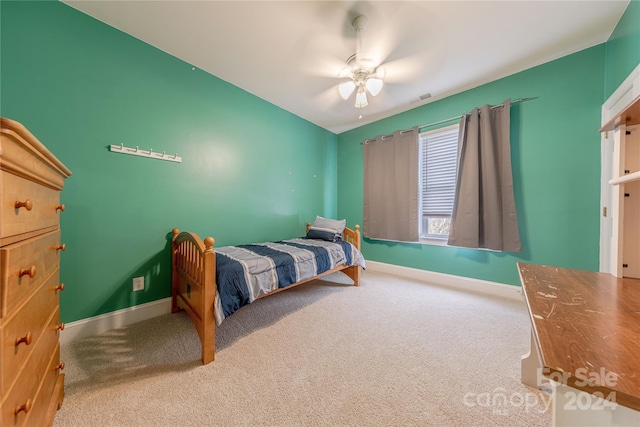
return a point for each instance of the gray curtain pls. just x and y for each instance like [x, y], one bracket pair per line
[391, 187]
[484, 211]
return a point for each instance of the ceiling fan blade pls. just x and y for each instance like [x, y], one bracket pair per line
[328, 98]
[387, 38]
[405, 69]
[315, 84]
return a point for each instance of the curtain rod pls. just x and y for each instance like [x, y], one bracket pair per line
[515, 101]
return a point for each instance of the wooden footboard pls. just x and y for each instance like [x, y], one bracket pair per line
[194, 282]
[194, 285]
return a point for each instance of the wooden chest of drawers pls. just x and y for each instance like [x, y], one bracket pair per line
[31, 178]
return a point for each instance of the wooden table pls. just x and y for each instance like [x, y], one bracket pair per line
[585, 338]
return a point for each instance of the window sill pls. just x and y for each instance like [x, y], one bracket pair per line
[432, 241]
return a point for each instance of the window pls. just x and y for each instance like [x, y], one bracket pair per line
[438, 163]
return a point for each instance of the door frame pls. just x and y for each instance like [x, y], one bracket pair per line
[621, 97]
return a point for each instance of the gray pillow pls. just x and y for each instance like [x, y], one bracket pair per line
[327, 229]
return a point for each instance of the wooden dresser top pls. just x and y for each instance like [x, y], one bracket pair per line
[587, 327]
[22, 154]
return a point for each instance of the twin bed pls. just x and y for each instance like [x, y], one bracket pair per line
[210, 284]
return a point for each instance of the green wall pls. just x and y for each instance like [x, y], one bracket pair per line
[555, 156]
[555, 149]
[250, 171]
[623, 48]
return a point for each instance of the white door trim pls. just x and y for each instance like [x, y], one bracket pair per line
[623, 95]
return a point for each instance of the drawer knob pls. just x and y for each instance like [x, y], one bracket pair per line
[62, 247]
[31, 272]
[26, 204]
[60, 208]
[60, 327]
[25, 339]
[60, 287]
[60, 367]
[26, 407]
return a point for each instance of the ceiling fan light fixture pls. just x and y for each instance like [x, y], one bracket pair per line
[346, 89]
[366, 75]
[374, 85]
[361, 98]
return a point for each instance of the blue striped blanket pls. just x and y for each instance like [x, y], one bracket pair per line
[245, 272]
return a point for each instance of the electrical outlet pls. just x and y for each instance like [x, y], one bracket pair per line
[138, 284]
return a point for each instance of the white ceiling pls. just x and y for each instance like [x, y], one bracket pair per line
[290, 53]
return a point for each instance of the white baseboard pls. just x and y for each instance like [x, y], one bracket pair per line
[74, 331]
[448, 280]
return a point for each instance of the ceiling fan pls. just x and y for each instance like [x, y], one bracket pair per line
[363, 73]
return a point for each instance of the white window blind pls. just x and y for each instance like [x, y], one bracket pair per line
[439, 153]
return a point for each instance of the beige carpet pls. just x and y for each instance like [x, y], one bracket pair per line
[392, 352]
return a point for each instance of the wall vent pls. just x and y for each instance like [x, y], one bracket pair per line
[421, 98]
